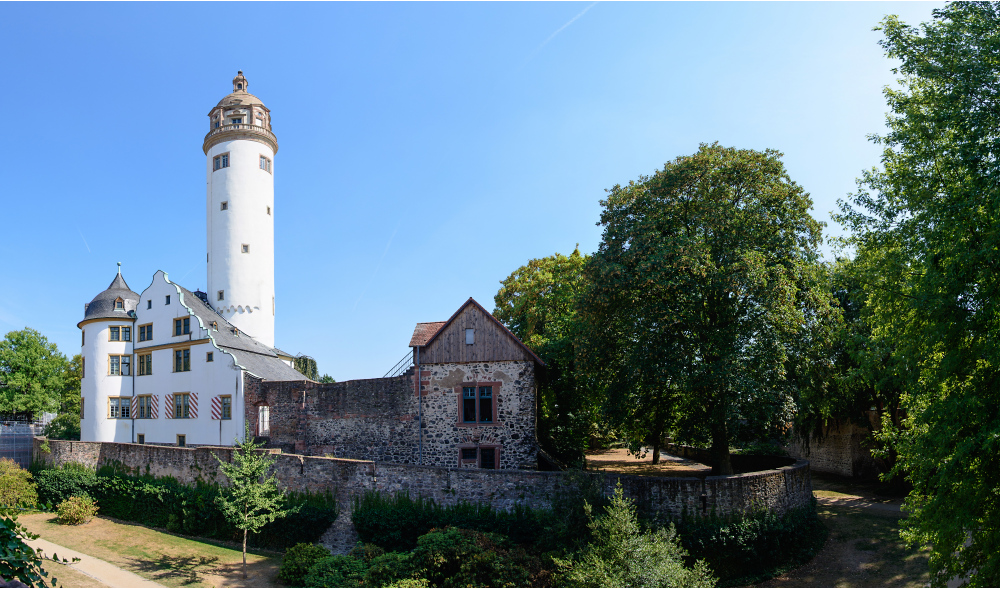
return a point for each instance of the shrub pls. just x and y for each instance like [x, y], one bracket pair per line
[76, 510]
[16, 488]
[391, 569]
[297, 561]
[454, 557]
[57, 485]
[337, 571]
[66, 426]
[744, 550]
[622, 554]
[18, 561]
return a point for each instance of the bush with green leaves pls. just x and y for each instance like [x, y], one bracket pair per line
[298, 560]
[66, 426]
[623, 554]
[391, 569]
[337, 571]
[453, 557]
[76, 510]
[16, 486]
[746, 549]
[59, 484]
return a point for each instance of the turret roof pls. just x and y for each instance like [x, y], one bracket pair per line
[103, 305]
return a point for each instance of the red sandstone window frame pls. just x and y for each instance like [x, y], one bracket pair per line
[478, 460]
[495, 395]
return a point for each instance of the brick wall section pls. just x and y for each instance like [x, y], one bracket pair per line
[377, 419]
[778, 490]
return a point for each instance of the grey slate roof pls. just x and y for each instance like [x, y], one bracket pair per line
[255, 357]
[103, 305]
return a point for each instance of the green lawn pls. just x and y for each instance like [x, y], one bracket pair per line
[169, 559]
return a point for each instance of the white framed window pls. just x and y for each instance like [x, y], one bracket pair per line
[119, 407]
[119, 365]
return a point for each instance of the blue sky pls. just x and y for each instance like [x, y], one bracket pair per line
[426, 150]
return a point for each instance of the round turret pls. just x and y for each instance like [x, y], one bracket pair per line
[240, 168]
[107, 332]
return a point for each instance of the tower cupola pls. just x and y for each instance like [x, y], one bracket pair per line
[239, 82]
[240, 115]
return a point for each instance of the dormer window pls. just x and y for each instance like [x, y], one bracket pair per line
[237, 120]
[119, 305]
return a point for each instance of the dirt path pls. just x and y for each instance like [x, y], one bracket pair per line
[104, 572]
[619, 460]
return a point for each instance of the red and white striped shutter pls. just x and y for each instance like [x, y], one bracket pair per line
[135, 406]
[217, 407]
[193, 409]
[168, 406]
[154, 406]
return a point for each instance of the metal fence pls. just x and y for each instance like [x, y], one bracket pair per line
[16, 441]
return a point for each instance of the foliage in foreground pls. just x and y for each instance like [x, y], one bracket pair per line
[18, 561]
[16, 486]
[76, 510]
[297, 561]
[623, 554]
[926, 229]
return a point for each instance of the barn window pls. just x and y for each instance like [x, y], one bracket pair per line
[470, 336]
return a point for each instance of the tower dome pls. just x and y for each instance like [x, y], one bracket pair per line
[240, 115]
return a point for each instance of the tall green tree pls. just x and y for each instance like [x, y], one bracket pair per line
[537, 302]
[927, 223]
[252, 499]
[32, 373]
[704, 286]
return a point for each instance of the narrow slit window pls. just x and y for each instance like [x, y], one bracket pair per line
[222, 295]
[245, 248]
[224, 206]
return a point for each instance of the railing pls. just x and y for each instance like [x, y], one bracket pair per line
[402, 366]
[242, 128]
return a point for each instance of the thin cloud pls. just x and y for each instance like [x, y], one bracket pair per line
[377, 266]
[83, 238]
[557, 31]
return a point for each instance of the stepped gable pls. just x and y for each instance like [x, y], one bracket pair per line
[258, 359]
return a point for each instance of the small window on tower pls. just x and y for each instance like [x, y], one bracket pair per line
[246, 248]
[268, 210]
[220, 161]
[168, 300]
[265, 164]
[237, 120]
[119, 305]
[239, 86]
[222, 295]
[209, 357]
[149, 304]
[224, 206]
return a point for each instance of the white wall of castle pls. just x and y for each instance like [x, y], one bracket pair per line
[205, 379]
[246, 279]
[98, 384]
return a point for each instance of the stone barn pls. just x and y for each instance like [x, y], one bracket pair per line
[469, 401]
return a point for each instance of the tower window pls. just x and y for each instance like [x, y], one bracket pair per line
[119, 305]
[119, 365]
[168, 300]
[220, 161]
[239, 86]
[237, 120]
[224, 206]
[268, 210]
[149, 303]
[209, 357]
[245, 248]
[265, 164]
[119, 407]
[222, 295]
[83, 337]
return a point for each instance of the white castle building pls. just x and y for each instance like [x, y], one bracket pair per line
[170, 366]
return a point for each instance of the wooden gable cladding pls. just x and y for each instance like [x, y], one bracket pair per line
[493, 343]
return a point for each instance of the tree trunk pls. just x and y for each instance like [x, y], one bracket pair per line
[721, 463]
[244, 555]
[656, 452]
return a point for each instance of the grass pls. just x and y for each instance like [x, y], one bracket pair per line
[168, 559]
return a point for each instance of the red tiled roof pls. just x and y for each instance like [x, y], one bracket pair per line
[423, 332]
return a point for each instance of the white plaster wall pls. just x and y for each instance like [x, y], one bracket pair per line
[246, 279]
[97, 385]
[207, 379]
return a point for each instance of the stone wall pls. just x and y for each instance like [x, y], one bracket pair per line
[842, 449]
[778, 490]
[378, 419]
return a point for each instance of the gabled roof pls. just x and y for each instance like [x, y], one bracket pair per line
[421, 340]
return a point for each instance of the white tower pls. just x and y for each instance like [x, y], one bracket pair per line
[240, 148]
[106, 348]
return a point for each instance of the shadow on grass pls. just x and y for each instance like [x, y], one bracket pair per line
[182, 570]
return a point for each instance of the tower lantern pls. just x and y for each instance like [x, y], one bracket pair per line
[240, 149]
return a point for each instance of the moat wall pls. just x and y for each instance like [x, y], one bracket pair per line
[779, 489]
